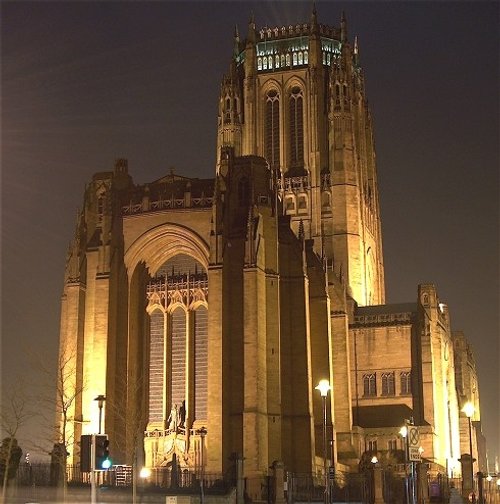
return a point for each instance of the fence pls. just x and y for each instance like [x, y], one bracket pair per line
[122, 476]
[299, 487]
[344, 487]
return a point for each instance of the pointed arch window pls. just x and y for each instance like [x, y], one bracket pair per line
[296, 140]
[200, 363]
[178, 342]
[370, 385]
[388, 387]
[178, 366]
[405, 382]
[156, 378]
[272, 128]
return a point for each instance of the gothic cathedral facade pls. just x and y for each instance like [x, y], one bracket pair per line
[207, 310]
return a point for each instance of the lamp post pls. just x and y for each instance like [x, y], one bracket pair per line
[323, 387]
[202, 432]
[468, 409]
[403, 432]
[100, 403]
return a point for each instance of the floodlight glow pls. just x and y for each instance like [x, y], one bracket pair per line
[323, 387]
[468, 409]
[145, 472]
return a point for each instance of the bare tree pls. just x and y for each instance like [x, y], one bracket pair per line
[13, 416]
[61, 403]
[135, 420]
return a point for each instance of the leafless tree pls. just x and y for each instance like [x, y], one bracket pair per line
[60, 402]
[135, 420]
[13, 416]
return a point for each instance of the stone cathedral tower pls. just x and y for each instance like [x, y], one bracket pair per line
[206, 310]
[295, 96]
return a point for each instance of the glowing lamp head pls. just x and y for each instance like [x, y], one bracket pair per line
[323, 387]
[468, 409]
[403, 431]
[145, 472]
[489, 477]
[374, 460]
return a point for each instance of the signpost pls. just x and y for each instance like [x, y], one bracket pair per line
[414, 454]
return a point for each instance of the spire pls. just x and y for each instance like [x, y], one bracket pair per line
[356, 50]
[343, 28]
[314, 18]
[236, 47]
[251, 29]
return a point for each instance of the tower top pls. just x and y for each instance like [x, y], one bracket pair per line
[267, 33]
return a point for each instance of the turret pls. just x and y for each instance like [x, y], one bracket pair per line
[236, 46]
[343, 28]
[250, 67]
[314, 20]
[229, 132]
[252, 36]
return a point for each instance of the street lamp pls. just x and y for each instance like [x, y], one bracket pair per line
[202, 432]
[403, 432]
[468, 409]
[100, 403]
[323, 387]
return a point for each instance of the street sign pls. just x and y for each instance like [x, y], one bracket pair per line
[413, 436]
[414, 454]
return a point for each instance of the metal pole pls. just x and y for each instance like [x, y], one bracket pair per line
[414, 471]
[202, 436]
[100, 416]
[324, 449]
[471, 461]
[93, 491]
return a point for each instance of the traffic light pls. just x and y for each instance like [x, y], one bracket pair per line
[86, 453]
[102, 461]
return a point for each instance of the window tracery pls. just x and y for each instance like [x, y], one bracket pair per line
[272, 128]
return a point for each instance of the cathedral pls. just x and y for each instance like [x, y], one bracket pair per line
[206, 311]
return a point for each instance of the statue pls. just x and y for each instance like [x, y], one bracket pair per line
[182, 414]
[173, 419]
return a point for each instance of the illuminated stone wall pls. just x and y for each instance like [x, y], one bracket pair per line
[233, 297]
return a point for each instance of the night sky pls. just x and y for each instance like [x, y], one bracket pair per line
[84, 83]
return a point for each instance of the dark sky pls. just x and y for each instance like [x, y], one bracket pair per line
[84, 83]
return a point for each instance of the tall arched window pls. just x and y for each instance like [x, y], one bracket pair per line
[200, 363]
[296, 140]
[178, 364]
[370, 384]
[178, 349]
[272, 128]
[156, 378]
